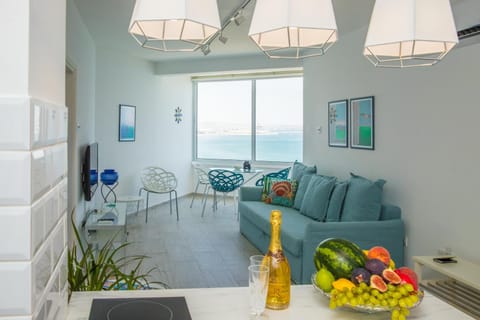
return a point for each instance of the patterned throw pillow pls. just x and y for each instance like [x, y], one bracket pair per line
[279, 191]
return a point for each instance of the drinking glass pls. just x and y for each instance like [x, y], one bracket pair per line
[258, 286]
[256, 259]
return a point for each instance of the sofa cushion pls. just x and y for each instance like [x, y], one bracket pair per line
[336, 201]
[299, 169]
[279, 191]
[390, 212]
[301, 189]
[363, 200]
[315, 202]
[292, 236]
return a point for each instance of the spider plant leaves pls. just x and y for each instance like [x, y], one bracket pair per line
[104, 268]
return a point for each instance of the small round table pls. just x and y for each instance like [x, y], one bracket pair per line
[130, 199]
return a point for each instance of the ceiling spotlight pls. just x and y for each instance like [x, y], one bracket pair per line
[206, 49]
[222, 38]
[239, 18]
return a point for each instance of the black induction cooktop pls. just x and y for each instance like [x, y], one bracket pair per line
[165, 308]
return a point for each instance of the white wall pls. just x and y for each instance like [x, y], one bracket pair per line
[160, 141]
[81, 55]
[12, 62]
[46, 51]
[33, 160]
[426, 139]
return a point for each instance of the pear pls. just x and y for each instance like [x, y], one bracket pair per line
[324, 279]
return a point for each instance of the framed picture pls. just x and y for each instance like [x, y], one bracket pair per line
[126, 126]
[362, 123]
[338, 123]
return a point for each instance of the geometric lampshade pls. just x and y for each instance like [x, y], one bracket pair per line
[174, 25]
[408, 33]
[293, 28]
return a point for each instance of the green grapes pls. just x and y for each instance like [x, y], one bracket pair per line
[398, 298]
[395, 314]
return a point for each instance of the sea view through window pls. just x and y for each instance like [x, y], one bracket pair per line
[253, 119]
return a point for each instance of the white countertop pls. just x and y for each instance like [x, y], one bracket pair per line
[232, 304]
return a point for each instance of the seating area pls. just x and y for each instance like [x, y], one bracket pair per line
[321, 208]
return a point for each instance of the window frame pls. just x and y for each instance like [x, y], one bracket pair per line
[253, 77]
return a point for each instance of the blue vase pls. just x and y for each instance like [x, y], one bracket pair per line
[93, 177]
[109, 176]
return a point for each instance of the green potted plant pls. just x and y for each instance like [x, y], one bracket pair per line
[101, 269]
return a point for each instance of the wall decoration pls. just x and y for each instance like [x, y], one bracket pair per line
[126, 127]
[178, 115]
[362, 123]
[338, 123]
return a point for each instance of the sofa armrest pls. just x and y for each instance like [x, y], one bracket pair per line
[390, 212]
[250, 193]
[366, 234]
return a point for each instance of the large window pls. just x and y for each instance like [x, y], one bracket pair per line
[253, 119]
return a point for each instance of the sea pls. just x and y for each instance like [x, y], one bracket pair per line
[284, 146]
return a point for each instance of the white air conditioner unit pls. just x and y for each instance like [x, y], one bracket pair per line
[468, 36]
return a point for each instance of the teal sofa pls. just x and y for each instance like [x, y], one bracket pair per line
[301, 234]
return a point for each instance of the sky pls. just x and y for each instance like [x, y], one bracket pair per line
[279, 102]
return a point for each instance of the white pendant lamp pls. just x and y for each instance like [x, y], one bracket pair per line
[174, 25]
[293, 28]
[408, 33]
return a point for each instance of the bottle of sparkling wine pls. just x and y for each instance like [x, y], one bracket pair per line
[278, 296]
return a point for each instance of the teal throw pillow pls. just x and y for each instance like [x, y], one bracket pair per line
[299, 169]
[279, 191]
[363, 201]
[315, 201]
[302, 188]
[336, 201]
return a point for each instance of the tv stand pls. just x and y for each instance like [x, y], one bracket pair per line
[104, 224]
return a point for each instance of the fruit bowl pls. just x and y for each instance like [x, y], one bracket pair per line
[365, 308]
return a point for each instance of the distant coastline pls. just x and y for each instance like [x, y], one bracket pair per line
[236, 145]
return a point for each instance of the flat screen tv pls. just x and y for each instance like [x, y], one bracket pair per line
[90, 171]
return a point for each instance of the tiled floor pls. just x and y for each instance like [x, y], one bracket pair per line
[193, 252]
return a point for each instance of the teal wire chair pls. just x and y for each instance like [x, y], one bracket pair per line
[282, 174]
[223, 181]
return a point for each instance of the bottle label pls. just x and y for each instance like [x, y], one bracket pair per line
[277, 256]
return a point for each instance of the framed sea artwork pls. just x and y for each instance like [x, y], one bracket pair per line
[126, 128]
[338, 123]
[362, 123]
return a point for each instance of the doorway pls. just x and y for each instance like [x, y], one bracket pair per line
[73, 161]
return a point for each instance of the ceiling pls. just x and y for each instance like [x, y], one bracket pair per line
[108, 20]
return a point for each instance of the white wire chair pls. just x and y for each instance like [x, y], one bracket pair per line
[157, 180]
[202, 179]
